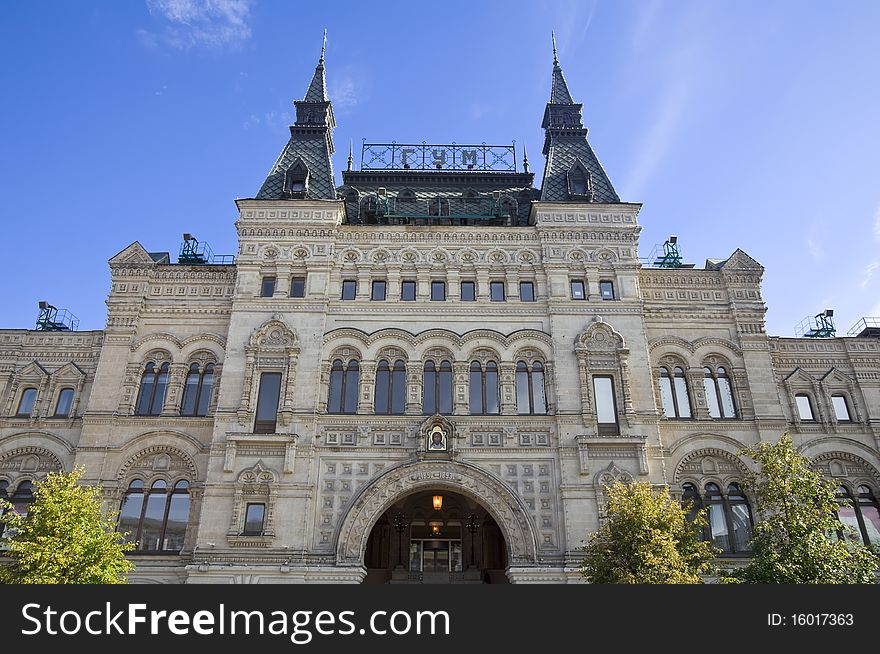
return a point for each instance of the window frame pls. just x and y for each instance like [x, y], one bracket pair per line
[33, 403]
[671, 377]
[345, 368]
[572, 284]
[408, 284]
[484, 390]
[711, 372]
[375, 285]
[531, 286]
[607, 283]
[723, 501]
[200, 390]
[157, 373]
[606, 428]
[247, 509]
[524, 368]
[473, 287]
[294, 281]
[265, 281]
[396, 372]
[438, 284]
[846, 407]
[495, 284]
[67, 414]
[265, 426]
[809, 407]
[348, 284]
[168, 491]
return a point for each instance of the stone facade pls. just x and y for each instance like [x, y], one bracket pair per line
[325, 479]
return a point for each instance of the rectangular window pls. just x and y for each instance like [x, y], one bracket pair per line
[255, 516]
[298, 287]
[841, 410]
[606, 289]
[349, 289]
[408, 290]
[267, 289]
[577, 290]
[378, 292]
[468, 292]
[438, 291]
[526, 292]
[805, 411]
[496, 291]
[267, 402]
[606, 407]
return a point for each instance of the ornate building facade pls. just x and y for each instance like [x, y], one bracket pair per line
[426, 374]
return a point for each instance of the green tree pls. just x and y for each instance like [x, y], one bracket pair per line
[65, 538]
[796, 538]
[647, 539]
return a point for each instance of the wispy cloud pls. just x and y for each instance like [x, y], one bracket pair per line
[877, 224]
[198, 23]
[273, 119]
[344, 91]
[870, 269]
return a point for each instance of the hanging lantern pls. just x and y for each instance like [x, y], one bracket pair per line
[437, 501]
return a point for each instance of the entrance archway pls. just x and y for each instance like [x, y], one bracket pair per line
[436, 537]
[476, 487]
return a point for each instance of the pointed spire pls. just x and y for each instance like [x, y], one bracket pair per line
[317, 91]
[559, 89]
[525, 159]
[350, 156]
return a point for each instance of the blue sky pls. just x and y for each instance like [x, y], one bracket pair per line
[737, 124]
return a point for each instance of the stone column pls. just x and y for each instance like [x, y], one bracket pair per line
[507, 372]
[174, 390]
[461, 372]
[413, 388]
[367, 386]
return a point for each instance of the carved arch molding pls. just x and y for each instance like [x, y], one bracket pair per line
[464, 478]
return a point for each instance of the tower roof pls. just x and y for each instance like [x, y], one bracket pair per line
[317, 91]
[559, 93]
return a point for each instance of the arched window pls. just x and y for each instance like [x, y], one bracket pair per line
[390, 395]
[485, 398]
[27, 401]
[863, 514]
[530, 398]
[437, 388]
[344, 380]
[719, 394]
[841, 408]
[197, 392]
[152, 392]
[23, 497]
[64, 403]
[690, 500]
[674, 393]
[156, 519]
[730, 519]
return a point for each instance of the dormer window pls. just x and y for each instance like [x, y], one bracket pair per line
[580, 182]
[296, 180]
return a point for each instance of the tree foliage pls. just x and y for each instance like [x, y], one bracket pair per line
[797, 537]
[647, 539]
[65, 538]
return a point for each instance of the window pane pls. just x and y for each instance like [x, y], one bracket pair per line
[606, 290]
[468, 292]
[352, 377]
[147, 381]
[349, 289]
[840, 408]
[254, 516]
[378, 290]
[526, 292]
[847, 515]
[398, 388]
[334, 405]
[151, 532]
[429, 389]
[496, 291]
[726, 397]
[666, 395]
[871, 516]
[606, 412]
[522, 388]
[65, 400]
[206, 390]
[383, 383]
[130, 515]
[711, 396]
[805, 411]
[445, 388]
[492, 397]
[188, 406]
[26, 405]
[268, 287]
[681, 394]
[178, 515]
[408, 291]
[718, 527]
[476, 389]
[539, 399]
[438, 291]
[577, 290]
[742, 526]
[267, 400]
[298, 287]
[159, 395]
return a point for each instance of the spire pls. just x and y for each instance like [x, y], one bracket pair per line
[558, 89]
[350, 157]
[572, 173]
[317, 91]
[305, 168]
[525, 159]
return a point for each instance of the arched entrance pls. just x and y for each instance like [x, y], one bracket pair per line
[507, 537]
[436, 537]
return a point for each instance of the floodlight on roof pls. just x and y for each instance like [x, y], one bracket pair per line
[673, 239]
[43, 304]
